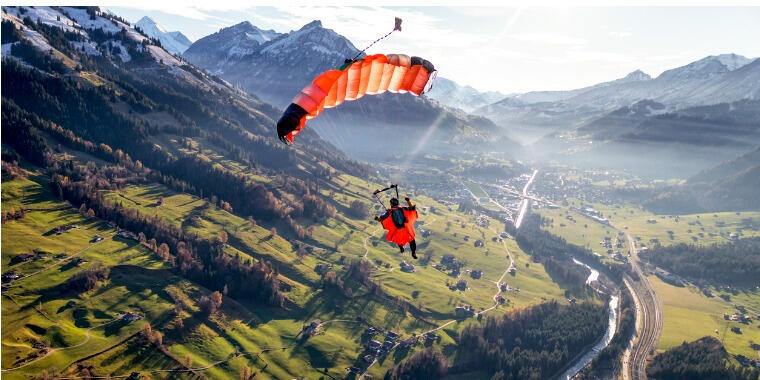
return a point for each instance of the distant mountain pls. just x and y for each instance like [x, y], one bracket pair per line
[466, 98]
[216, 51]
[715, 79]
[173, 42]
[728, 186]
[275, 67]
[555, 96]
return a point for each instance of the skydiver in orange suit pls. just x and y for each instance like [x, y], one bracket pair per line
[399, 221]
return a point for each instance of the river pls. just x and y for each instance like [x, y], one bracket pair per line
[611, 329]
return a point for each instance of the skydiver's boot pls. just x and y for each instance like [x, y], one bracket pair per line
[413, 247]
[401, 248]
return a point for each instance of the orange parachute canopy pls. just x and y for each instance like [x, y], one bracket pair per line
[375, 74]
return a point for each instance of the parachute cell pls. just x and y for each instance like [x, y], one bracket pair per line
[375, 74]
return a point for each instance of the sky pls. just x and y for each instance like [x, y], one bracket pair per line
[507, 49]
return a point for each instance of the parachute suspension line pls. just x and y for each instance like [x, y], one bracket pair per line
[378, 191]
[395, 28]
[378, 200]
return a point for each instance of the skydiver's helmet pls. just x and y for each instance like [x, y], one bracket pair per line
[394, 202]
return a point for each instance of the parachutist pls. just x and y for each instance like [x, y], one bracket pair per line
[399, 221]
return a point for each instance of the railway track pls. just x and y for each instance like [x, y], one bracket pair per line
[650, 317]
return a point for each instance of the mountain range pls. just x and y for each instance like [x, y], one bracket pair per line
[276, 66]
[715, 79]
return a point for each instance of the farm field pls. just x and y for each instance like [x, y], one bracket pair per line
[689, 315]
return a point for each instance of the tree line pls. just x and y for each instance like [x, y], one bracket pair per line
[735, 263]
[705, 358]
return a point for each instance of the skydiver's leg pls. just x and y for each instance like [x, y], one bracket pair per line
[401, 248]
[413, 247]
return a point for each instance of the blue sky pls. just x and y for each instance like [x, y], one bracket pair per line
[508, 49]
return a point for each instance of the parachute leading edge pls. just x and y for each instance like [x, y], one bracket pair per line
[375, 74]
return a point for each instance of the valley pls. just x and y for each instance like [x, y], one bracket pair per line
[155, 227]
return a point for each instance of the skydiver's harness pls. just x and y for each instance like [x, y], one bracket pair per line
[397, 214]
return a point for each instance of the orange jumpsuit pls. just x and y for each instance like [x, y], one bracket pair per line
[404, 234]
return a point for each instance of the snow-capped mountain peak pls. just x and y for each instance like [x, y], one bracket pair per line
[312, 25]
[733, 61]
[707, 67]
[635, 76]
[174, 42]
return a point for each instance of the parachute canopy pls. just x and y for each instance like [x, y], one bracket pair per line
[374, 74]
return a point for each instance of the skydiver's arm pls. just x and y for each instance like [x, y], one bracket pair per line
[409, 202]
[382, 217]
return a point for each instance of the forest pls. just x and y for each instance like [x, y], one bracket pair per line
[735, 263]
[705, 358]
[532, 343]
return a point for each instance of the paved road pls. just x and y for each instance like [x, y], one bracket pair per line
[526, 201]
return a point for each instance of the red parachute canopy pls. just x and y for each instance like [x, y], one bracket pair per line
[375, 74]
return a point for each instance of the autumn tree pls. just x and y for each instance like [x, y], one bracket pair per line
[210, 304]
[222, 237]
[188, 361]
[245, 372]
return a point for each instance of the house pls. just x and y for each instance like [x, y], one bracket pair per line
[127, 235]
[354, 370]
[387, 345]
[65, 228]
[368, 358]
[464, 311]
[407, 267]
[476, 274]
[373, 345]
[736, 330]
[130, 317]
[312, 328]
[97, 239]
[26, 256]
[10, 276]
[391, 335]
[430, 336]
[503, 287]
[478, 243]
[370, 331]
